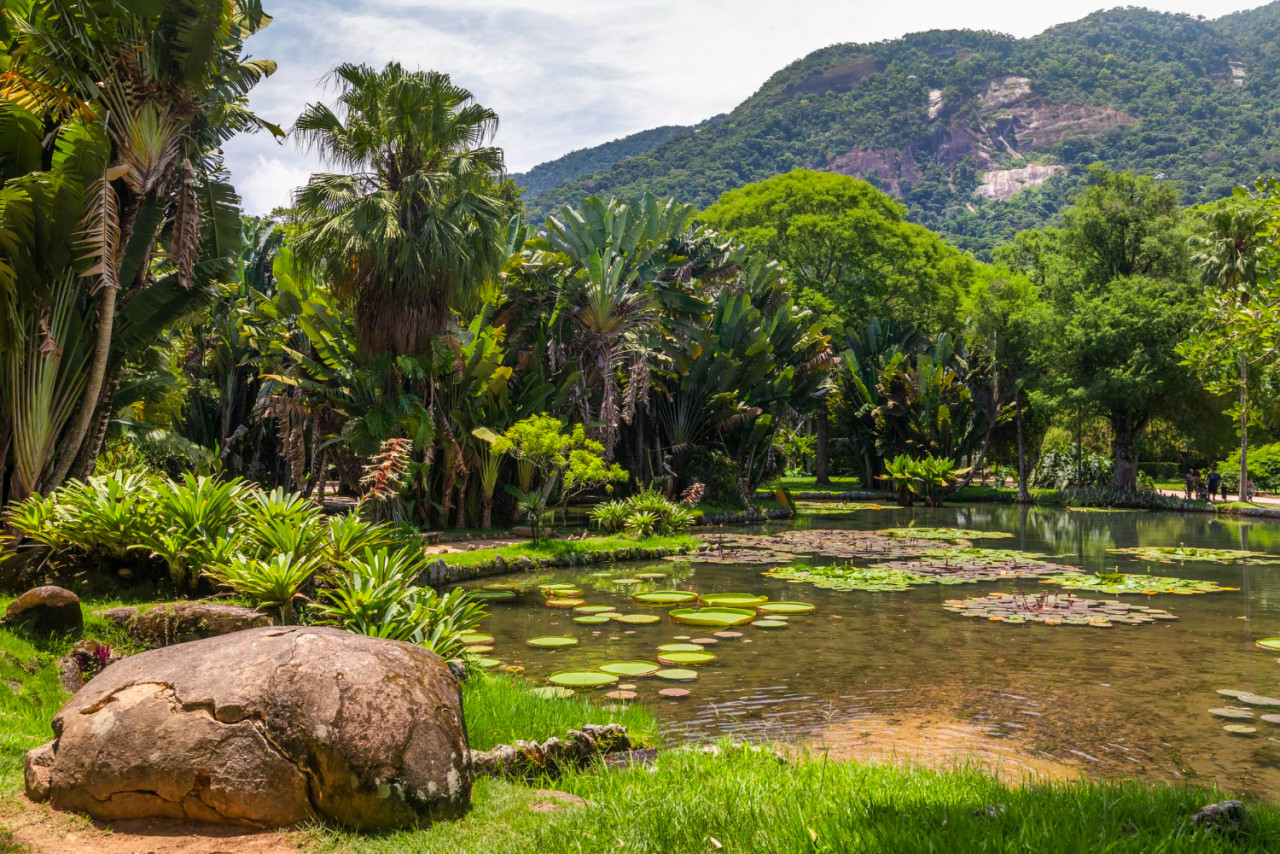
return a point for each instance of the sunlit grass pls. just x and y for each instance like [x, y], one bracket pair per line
[559, 548]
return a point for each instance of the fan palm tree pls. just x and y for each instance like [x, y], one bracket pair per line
[164, 85]
[1227, 256]
[410, 221]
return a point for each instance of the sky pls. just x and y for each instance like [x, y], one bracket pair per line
[569, 74]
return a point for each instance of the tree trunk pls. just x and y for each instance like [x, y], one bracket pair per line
[1245, 493]
[486, 512]
[1024, 496]
[460, 520]
[1125, 471]
[821, 452]
[93, 389]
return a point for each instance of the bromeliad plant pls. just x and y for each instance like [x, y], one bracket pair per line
[376, 595]
[644, 514]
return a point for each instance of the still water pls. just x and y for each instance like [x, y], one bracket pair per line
[893, 674]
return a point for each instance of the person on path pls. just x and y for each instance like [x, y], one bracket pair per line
[1186, 479]
[1214, 480]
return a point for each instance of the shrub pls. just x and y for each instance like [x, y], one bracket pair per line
[642, 523]
[610, 516]
[1056, 469]
[643, 514]
[1264, 468]
[273, 581]
[924, 478]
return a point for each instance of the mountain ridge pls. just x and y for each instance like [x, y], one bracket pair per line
[981, 133]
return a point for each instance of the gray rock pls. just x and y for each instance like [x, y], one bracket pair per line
[264, 727]
[46, 611]
[179, 622]
[1228, 817]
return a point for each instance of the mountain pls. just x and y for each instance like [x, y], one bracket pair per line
[584, 161]
[981, 134]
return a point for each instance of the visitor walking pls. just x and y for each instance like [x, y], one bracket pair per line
[1186, 480]
[1214, 480]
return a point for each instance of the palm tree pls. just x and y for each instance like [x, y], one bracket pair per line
[410, 221]
[1227, 256]
[159, 87]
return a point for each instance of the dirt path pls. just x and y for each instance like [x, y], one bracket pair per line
[44, 831]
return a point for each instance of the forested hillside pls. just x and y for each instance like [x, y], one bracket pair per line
[982, 134]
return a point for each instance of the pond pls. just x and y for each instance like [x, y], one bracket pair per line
[877, 674]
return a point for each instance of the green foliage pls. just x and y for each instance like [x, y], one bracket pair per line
[924, 478]
[611, 516]
[641, 523]
[1058, 468]
[273, 581]
[644, 514]
[1264, 468]
[570, 460]
[376, 594]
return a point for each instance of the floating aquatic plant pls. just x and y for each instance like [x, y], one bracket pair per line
[552, 692]
[664, 598]
[1240, 729]
[630, 668]
[677, 674]
[1055, 609]
[680, 647]
[1173, 554]
[943, 534]
[717, 616]
[475, 637]
[674, 693]
[786, 609]
[786, 546]
[564, 603]
[593, 619]
[581, 679]
[552, 642]
[560, 591]
[746, 601]
[770, 624]
[637, 619]
[477, 648]
[1272, 644]
[493, 595]
[594, 609]
[1232, 713]
[848, 577]
[679, 659]
[1121, 582]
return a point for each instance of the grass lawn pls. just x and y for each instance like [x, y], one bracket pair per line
[806, 484]
[738, 799]
[558, 548]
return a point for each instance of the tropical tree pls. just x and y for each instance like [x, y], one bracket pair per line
[1228, 254]
[144, 95]
[411, 220]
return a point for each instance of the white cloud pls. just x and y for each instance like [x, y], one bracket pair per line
[565, 74]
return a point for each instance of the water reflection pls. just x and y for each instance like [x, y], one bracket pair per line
[875, 675]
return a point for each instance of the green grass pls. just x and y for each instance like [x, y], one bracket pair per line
[501, 710]
[807, 484]
[749, 801]
[559, 548]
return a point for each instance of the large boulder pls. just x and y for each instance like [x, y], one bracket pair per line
[45, 611]
[179, 622]
[264, 727]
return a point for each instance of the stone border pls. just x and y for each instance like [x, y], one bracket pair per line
[440, 573]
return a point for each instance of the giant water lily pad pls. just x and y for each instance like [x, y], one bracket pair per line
[717, 616]
[1121, 582]
[745, 601]
[560, 591]
[770, 624]
[552, 642]
[944, 534]
[477, 648]
[786, 546]
[594, 609]
[1250, 699]
[475, 637]
[514, 588]
[651, 576]
[680, 647]
[681, 659]
[1240, 729]
[551, 692]
[637, 619]
[849, 577]
[630, 668]
[1055, 609]
[581, 679]
[665, 598]
[494, 595]
[1272, 644]
[677, 674]
[1174, 554]
[593, 619]
[786, 609]
[1232, 713]
[564, 603]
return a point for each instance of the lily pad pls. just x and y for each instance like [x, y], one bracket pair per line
[1232, 713]
[475, 637]
[1271, 719]
[1272, 644]
[494, 595]
[1121, 582]
[1172, 554]
[704, 641]
[581, 679]
[1240, 729]
[1257, 700]
[716, 616]
[593, 619]
[786, 608]
[1054, 609]
[680, 647]
[560, 591]
[674, 693]
[477, 648]
[1231, 692]
[626, 582]
[678, 659]
[552, 692]
[552, 642]
[564, 603]
[630, 668]
[944, 534]
[594, 609]
[651, 576]
[623, 696]
[487, 663]
[770, 624]
[637, 619]
[665, 598]
[677, 674]
[732, 600]
[728, 634]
